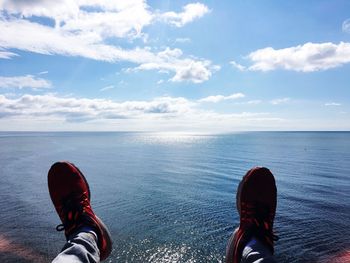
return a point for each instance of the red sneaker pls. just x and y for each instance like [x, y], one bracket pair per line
[256, 202]
[70, 195]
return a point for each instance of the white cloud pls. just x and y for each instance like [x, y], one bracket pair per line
[33, 37]
[43, 72]
[52, 112]
[187, 69]
[78, 32]
[117, 18]
[7, 54]
[159, 114]
[72, 109]
[279, 101]
[332, 104]
[182, 40]
[46, 8]
[107, 88]
[218, 98]
[346, 26]
[195, 71]
[249, 102]
[160, 81]
[110, 18]
[306, 58]
[190, 12]
[237, 66]
[27, 81]
[254, 102]
[126, 22]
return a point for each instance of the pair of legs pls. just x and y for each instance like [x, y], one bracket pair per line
[88, 239]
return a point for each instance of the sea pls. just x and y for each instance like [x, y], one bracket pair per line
[170, 197]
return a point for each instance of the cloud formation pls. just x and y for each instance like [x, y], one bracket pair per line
[79, 31]
[109, 18]
[332, 104]
[346, 26]
[187, 69]
[7, 54]
[279, 101]
[237, 65]
[107, 88]
[162, 113]
[27, 81]
[190, 13]
[305, 58]
[85, 109]
[254, 102]
[219, 98]
[182, 40]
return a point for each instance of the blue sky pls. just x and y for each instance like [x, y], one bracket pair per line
[180, 66]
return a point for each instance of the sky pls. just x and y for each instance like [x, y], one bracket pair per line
[174, 66]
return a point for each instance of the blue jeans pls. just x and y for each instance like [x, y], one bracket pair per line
[256, 252]
[82, 247]
[253, 252]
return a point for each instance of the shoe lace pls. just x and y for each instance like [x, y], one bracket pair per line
[73, 207]
[264, 222]
[261, 218]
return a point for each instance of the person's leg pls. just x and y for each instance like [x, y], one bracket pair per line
[81, 247]
[88, 239]
[256, 200]
[255, 251]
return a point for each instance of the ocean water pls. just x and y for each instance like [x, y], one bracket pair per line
[171, 197]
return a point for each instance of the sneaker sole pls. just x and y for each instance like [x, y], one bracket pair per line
[107, 246]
